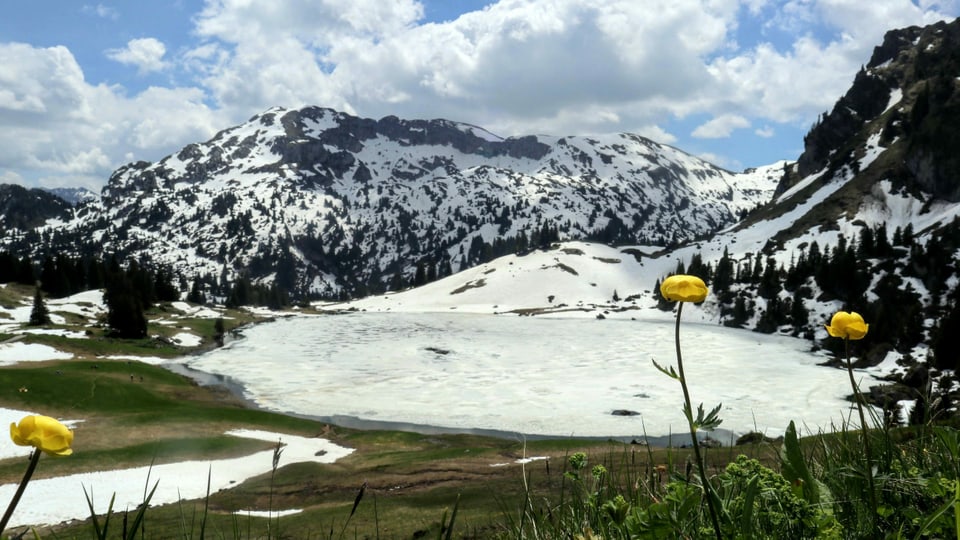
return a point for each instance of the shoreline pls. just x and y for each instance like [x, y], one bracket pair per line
[238, 390]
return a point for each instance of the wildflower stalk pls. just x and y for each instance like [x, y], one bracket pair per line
[34, 459]
[688, 410]
[858, 398]
[273, 473]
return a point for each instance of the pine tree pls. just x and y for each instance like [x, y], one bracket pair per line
[25, 272]
[741, 313]
[40, 315]
[420, 277]
[218, 331]
[769, 284]
[723, 277]
[196, 295]
[946, 340]
[799, 316]
[164, 288]
[125, 317]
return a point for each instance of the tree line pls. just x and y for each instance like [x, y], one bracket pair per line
[130, 288]
[896, 283]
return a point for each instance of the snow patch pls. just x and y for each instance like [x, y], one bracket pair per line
[54, 500]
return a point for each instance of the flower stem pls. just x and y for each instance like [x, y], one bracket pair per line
[688, 411]
[34, 458]
[858, 397]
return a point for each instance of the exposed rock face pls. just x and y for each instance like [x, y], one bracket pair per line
[919, 67]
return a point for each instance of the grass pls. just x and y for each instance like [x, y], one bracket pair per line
[408, 485]
[412, 478]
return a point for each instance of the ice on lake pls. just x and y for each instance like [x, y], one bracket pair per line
[529, 375]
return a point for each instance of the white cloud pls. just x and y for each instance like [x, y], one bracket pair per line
[720, 127]
[656, 133]
[281, 53]
[102, 11]
[766, 132]
[721, 161]
[10, 177]
[54, 125]
[515, 67]
[144, 53]
[527, 66]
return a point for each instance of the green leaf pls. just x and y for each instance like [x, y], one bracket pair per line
[671, 373]
[795, 468]
[101, 533]
[746, 520]
[708, 421]
[140, 513]
[453, 518]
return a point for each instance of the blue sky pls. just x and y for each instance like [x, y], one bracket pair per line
[88, 87]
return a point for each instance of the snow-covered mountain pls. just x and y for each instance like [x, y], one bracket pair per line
[866, 220]
[23, 209]
[74, 195]
[321, 202]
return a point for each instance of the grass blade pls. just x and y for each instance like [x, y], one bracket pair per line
[141, 512]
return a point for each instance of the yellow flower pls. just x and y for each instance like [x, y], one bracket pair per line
[44, 433]
[847, 325]
[683, 288]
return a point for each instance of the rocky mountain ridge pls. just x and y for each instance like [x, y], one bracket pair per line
[323, 203]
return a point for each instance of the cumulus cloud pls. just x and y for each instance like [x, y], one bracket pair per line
[514, 67]
[765, 132]
[720, 127]
[56, 126]
[10, 177]
[283, 53]
[721, 161]
[525, 66]
[656, 133]
[144, 53]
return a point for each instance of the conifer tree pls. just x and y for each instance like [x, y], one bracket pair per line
[218, 331]
[196, 295]
[164, 288]
[723, 277]
[125, 317]
[39, 315]
[741, 313]
[946, 340]
[799, 316]
[769, 284]
[25, 272]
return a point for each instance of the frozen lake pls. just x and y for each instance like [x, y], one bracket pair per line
[528, 375]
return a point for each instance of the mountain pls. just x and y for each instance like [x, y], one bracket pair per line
[23, 209]
[73, 196]
[325, 204]
[318, 202]
[866, 220]
[894, 132]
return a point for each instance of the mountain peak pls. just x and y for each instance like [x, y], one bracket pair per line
[323, 202]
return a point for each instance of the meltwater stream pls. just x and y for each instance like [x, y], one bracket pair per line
[527, 375]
